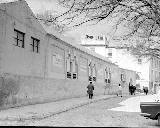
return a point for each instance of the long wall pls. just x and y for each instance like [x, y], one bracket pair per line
[27, 77]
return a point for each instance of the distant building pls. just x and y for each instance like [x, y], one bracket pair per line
[147, 70]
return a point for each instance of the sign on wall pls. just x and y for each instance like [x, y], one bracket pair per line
[57, 60]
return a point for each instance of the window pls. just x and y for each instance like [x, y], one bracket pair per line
[74, 76]
[139, 61]
[94, 72]
[101, 38]
[152, 64]
[152, 75]
[19, 38]
[72, 67]
[123, 77]
[107, 75]
[68, 75]
[109, 52]
[68, 63]
[89, 71]
[35, 44]
[155, 77]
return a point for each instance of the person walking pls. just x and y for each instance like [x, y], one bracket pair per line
[119, 90]
[90, 90]
[146, 90]
[130, 89]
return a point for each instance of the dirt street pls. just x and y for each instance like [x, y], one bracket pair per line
[114, 112]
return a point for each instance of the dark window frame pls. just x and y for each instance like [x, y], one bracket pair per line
[94, 79]
[35, 44]
[69, 75]
[74, 75]
[101, 38]
[17, 38]
[110, 54]
[139, 61]
[90, 78]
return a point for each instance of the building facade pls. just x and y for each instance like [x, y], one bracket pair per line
[147, 69]
[154, 74]
[38, 67]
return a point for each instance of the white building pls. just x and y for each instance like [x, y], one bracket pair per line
[148, 70]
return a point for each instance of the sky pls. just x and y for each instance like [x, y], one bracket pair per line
[102, 28]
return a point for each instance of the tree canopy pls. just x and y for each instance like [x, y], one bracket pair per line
[140, 17]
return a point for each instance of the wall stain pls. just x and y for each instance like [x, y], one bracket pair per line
[9, 87]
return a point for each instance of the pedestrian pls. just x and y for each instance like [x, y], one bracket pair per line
[146, 90]
[134, 90]
[130, 89]
[158, 96]
[90, 90]
[119, 90]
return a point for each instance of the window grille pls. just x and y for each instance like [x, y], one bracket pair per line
[35, 44]
[19, 38]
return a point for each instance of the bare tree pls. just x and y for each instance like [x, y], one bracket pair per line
[45, 18]
[140, 17]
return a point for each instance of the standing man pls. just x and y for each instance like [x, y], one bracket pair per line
[90, 90]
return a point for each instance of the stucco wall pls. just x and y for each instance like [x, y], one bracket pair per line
[17, 60]
[22, 90]
[2, 34]
[28, 77]
[128, 76]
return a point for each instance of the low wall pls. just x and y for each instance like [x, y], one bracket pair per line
[23, 90]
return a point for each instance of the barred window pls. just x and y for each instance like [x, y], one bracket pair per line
[123, 77]
[19, 38]
[72, 67]
[35, 44]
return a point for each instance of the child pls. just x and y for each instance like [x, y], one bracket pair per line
[119, 90]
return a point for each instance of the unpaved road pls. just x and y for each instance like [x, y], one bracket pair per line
[114, 112]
